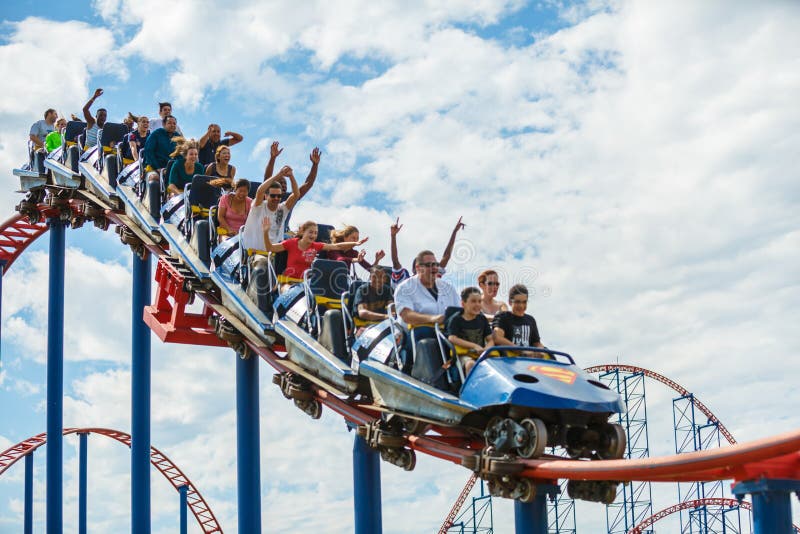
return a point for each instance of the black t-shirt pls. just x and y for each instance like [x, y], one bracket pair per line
[475, 330]
[521, 331]
[375, 301]
[206, 153]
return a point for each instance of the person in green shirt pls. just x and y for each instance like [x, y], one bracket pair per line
[56, 138]
[186, 165]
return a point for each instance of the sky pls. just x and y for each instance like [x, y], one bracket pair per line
[635, 164]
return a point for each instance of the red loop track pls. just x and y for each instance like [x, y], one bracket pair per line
[202, 512]
[16, 234]
[687, 505]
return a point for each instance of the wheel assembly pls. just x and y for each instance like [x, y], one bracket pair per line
[535, 439]
[612, 442]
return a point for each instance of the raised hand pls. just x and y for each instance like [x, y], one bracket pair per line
[395, 228]
[459, 225]
[360, 256]
[266, 224]
[362, 241]
[285, 171]
[315, 156]
[97, 93]
[274, 151]
[378, 257]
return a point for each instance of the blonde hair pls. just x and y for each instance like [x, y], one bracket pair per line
[337, 236]
[219, 149]
[182, 146]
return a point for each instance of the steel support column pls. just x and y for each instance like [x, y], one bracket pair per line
[772, 509]
[55, 379]
[140, 401]
[531, 518]
[366, 488]
[83, 458]
[184, 491]
[248, 455]
[28, 510]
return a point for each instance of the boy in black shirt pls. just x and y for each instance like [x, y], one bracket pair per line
[469, 330]
[516, 327]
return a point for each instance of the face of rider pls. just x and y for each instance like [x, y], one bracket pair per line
[377, 278]
[101, 117]
[191, 156]
[214, 133]
[491, 285]
[427, 269]
[519, 303]
[165, 110]
[309, 234]
[171, 125]
[473, 304]
[241, 192]
[274, 195]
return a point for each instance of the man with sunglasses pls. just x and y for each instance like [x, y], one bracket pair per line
[424, 298]
[273, 208]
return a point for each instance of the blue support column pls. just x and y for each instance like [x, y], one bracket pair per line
[366, 488]
[184, 490]
[28, 511]
[83, 458]
[772, 509]
[55, 379]
[531, 517]
[140, 401]
[248, 454]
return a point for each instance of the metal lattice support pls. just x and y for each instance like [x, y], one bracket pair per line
[477, 518]
[689, 437]
[634, 502]
[561, 511]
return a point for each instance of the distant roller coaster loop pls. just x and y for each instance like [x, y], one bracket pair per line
[202, 512]
[672, 384]
[16, 233]
[731, 503]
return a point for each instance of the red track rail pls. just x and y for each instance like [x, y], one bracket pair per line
[671, 383]
[16, 234]
[711, 501]
[448, 521]
[202, 512]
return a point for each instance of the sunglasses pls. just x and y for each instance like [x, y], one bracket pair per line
[428, 264]
[275, 196]
[492, 284]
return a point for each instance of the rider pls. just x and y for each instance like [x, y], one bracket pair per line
[469, 330]
[516, 327]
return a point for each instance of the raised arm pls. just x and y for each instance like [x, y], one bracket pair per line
[344, 245]
[295, 196]
[204, 138]
[269, 246]
[449, 249]
[274, 152]
[86, 113]
[262, 189]
[235, 138]
[312, 174]
[393, 231]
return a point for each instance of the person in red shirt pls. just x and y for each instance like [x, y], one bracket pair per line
[302, 249]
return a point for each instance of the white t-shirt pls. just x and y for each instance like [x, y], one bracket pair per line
[252, 232]
[413, 295]
[158, 122]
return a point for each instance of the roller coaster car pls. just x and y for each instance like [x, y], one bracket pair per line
[516, 399]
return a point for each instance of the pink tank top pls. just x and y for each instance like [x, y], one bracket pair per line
[235, 220]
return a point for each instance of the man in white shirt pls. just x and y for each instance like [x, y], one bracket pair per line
[164, 111]
[424, 298]
[277, 211]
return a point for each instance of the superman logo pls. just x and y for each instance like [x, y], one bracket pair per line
[564, 375]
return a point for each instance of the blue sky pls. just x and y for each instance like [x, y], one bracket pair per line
[633, 163]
